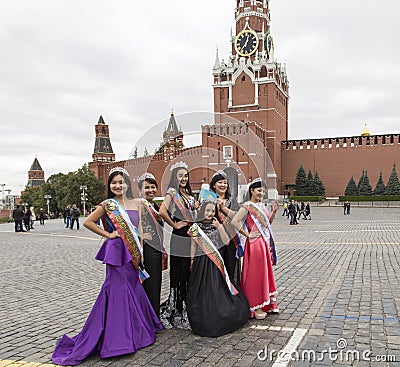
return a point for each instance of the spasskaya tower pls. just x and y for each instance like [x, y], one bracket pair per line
[250, 85]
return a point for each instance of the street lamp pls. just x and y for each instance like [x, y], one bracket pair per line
[83, 198]
[2, 196]
[48, 197]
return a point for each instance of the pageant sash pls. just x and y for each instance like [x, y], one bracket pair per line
[212, 252]
[226, 221]
[180, 204]
[264, 227]
[155, 216]
[128, 233]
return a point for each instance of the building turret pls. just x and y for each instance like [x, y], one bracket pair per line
[103, 151]
[35, 174]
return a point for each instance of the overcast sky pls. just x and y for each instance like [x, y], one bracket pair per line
[65, 62]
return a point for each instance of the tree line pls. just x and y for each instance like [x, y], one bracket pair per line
[364, 188]
[65, 190]
[307, 184]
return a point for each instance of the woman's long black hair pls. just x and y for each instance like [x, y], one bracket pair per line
[174, 183]
[128, 193]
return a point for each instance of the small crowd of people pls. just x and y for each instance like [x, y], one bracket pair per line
[26, 217]
[220, 262]
[71, 215]
[295, 211]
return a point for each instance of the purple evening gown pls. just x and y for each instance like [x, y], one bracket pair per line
[122, 319]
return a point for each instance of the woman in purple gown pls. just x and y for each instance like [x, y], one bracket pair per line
[122, 319]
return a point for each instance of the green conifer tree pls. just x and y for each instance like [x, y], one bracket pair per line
[319, 185]
[365, 187]
[380, 186]
[351, 188]
[360, 183]
[393, 185]
[311, 191]
[301, 182]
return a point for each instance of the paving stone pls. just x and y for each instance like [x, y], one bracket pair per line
[337, 277]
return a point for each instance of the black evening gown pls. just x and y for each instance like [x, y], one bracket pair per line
[212, 310]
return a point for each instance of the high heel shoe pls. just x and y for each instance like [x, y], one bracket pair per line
[260, 314]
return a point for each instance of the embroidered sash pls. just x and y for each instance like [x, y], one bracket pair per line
[226, 221]
[261, 220]
[179, 201]
[212, 252]
[129, 234]
[155, 216]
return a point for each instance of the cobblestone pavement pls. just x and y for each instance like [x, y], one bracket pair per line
[338, 282]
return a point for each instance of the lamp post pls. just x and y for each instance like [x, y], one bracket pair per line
[48, 197]
[83, 198]
[2, 195]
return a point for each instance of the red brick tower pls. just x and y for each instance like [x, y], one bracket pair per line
[250, 85]
[103, 151]
[172, 139]
[35, 174]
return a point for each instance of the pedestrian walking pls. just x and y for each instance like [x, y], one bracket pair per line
[67, 214]
[285, 209]
[27, 219]
[42, 216]
[18, 216]
[75, 214]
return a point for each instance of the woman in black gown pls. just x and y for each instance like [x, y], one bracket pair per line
[178, 211]
[152, 225]
[215, 305]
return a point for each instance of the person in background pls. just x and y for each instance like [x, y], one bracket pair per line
[67, 213]
[42, 216]
[75, 214]
[27, 219]
[18, 216]
[307, 213]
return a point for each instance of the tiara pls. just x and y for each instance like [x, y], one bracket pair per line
[118, 169]
[144, 176]
[179, 165]
[258, 179]
[220, 172]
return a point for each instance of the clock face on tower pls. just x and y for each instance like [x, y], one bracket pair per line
[246, 42]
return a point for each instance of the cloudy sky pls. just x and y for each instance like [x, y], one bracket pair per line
[65, 62]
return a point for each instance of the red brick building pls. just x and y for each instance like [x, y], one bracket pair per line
[249, 137]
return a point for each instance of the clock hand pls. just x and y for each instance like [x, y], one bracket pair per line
[247, 41]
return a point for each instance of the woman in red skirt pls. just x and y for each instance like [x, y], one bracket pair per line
[258, 281]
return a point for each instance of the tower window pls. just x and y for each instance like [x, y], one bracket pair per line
[243, 78]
